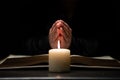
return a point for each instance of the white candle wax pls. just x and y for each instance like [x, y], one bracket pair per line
[59, 60]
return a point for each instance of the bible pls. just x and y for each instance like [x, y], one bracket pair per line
[20, 61]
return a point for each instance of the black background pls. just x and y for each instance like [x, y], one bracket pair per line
[21, 19]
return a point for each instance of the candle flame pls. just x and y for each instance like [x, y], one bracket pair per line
[58, 44]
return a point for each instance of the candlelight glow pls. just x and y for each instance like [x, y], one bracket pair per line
[58, 44]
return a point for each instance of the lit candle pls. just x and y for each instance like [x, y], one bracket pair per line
[59, 59]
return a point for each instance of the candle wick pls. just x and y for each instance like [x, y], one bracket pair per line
[58, 44]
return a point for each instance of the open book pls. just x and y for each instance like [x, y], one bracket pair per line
[19, 61]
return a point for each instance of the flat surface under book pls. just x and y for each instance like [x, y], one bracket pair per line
[75, 73]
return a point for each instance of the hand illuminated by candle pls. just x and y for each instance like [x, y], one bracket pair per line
[61, 31]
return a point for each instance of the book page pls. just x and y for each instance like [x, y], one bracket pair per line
[23, 60]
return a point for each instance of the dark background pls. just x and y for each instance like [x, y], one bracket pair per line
[22, 19]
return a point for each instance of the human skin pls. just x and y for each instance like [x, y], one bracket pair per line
[61, 31]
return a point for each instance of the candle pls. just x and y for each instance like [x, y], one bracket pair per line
[59, 59]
